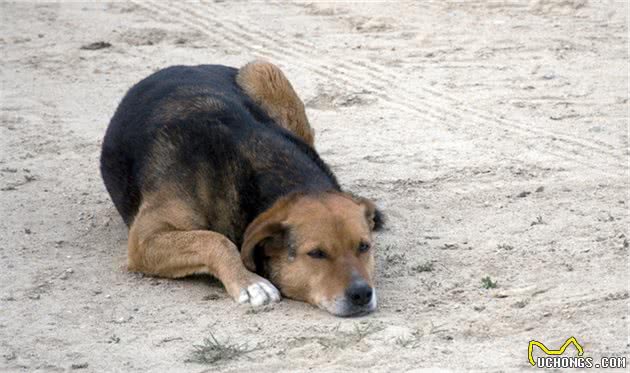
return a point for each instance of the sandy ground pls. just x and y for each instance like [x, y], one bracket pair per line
[493, 134]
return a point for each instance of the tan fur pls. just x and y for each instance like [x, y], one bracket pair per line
[333, 222]
[167, 238]
[270, 89]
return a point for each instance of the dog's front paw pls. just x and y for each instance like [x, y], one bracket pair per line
[256, 291]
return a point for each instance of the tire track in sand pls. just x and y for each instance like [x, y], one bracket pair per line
[292, 52]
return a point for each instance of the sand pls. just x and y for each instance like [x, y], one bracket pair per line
[494, 135]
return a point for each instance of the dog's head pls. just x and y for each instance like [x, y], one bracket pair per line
[317, 248]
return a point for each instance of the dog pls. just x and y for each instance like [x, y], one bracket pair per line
[203, 160]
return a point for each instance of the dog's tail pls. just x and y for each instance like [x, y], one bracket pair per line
[268, 87]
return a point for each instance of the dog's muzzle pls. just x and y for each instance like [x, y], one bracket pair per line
[358, 299]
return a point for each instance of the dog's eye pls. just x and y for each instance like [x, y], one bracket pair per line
[317, 254]
[364, 247]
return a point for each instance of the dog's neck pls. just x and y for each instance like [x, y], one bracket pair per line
[300, 176]
[296, 168]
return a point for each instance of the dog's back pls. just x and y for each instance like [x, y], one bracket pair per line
[193, 128]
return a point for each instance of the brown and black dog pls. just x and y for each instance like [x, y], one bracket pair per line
[202, 160]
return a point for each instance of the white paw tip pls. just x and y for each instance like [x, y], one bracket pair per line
[271, 291]
[257, 295]
[243, 296]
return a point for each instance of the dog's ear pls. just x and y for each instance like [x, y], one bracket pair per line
[374, 216]
[258, 242]
[379, 220]
[267, 231]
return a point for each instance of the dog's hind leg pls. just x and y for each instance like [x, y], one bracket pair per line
[167, 239]
[265, 83]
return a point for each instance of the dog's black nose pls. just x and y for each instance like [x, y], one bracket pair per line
[359, 293]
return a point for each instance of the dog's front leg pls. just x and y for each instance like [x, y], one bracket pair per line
[157, 247]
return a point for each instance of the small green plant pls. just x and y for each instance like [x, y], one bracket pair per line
[539, 220]
[423, 267]
[487, 283]
[212, 351]
[395, 258]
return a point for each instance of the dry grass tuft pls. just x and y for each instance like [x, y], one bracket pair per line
[212, 351]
